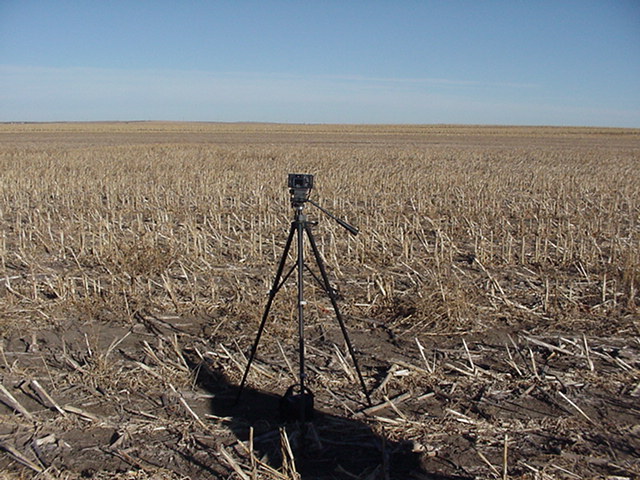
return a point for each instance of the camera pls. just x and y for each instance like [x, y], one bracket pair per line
[300, 180]
[300, 186]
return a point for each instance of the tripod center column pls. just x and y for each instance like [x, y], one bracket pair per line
[301, 221]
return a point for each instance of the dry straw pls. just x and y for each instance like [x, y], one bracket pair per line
[497, 269]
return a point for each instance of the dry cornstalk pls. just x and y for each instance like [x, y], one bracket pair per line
[252, 456]
[44, 397]
[286, 361]
[395, 408]
[232, 463]
[578, 409]
[11, 402]
[489, 464]
[553, 348]
[512, 362]
[254, 365]
[114, 344]
[533, 364]
[387, 403]
[472, 367]
[288, 459]
[81, 413]
[586, 352]
[343, 363]
[386, 379]
[188, 408]
[430, 368]
[460, 417]
[464, 370]
[409, 365]
[565, 471]
[505, 458]
[19, 457]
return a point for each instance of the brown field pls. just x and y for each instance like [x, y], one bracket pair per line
[491, 296]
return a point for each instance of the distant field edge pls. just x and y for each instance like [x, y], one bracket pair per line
[268, 127]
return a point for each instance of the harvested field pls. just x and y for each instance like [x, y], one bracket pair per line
[491, 297]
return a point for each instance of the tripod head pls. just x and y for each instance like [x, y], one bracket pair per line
[300, 186]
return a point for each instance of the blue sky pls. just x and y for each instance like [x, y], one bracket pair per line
[455, 61]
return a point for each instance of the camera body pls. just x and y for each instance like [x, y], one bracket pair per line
[300, 186]
[300, 180]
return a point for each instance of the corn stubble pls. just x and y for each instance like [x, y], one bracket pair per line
[475, 244]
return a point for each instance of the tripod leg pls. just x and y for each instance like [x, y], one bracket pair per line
[272, 294]
[332, 296]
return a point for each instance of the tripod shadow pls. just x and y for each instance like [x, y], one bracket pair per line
[328, 447]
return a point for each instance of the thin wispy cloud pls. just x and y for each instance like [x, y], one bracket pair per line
[430, 81]
[80, 93]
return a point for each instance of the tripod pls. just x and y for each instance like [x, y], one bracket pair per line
[300, 406]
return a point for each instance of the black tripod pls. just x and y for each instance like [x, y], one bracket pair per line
[300, 405]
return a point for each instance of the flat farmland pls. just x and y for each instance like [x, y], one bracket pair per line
[491, 297]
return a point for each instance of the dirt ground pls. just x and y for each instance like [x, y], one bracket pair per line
[535, 400]
[515, 391]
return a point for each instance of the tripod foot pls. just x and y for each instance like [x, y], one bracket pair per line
[296, 406]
